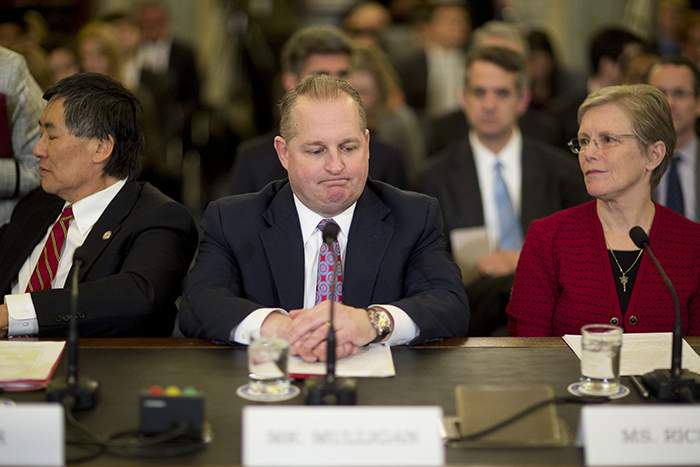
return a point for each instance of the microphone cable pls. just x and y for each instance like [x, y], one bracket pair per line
[454, 442]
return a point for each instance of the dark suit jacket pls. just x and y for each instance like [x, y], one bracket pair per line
[252, 256]
[257, 164]
[551, 181]
[131, 277]
[452, 127]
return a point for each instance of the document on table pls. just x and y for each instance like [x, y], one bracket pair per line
[28, 365]
[645, 352]
[374, 361]
[468, 245]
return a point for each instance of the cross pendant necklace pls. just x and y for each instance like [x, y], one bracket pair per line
[623, 274]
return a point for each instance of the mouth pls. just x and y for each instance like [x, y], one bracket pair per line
[335, 182]
[593, 172]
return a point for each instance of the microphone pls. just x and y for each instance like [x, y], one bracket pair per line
[330, 391]
[676, 385]
[81, 395]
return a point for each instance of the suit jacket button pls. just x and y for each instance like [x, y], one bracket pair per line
[633, 320]
[614, 321]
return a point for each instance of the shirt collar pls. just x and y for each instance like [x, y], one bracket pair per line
[89, 209]
[309, 220]
[508, 155]
[687, 152]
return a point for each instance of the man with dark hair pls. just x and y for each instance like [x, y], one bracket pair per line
[494, 183]
[261, 262]
[310, 51]
[679, 79]
[136, 244]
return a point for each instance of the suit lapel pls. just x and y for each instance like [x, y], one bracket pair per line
[284, 249]
[107, 226]
[370, 234]
[23, 238]
[464, 181]
[533, 186]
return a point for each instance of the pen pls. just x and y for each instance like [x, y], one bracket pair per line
[640, 387]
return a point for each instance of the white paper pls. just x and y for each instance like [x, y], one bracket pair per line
[468, 245]
[32, 434]
[374, 361]
[644, 352]
[24, 362]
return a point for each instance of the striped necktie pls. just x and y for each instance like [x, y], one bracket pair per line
[47, 265]
[326, 265]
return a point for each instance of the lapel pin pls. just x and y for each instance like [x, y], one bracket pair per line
[107, 235]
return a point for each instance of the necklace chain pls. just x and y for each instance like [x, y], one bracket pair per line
[623, 274]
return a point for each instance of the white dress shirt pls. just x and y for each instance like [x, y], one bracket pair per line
[86, 212]
[405, 330]
[485, 160]
[445, 79]
[686, 173]
[155, 56]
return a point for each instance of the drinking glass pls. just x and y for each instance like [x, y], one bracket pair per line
[268, 380]
[600, 360]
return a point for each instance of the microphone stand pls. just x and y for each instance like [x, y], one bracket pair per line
[674, 385]
[329, 390]
[81, 395]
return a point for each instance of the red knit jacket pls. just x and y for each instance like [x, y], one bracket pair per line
[564, 279]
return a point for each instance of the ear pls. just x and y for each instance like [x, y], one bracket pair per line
[655, 155]
[289, 81]
[524, 102]
[103, 151]
[282, 151]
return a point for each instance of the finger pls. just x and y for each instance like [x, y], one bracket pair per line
[304, 324]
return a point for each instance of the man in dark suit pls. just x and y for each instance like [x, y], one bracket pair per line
[261, 263]
[136, 244]
[679, 189]
[312, 50]
[497, 180]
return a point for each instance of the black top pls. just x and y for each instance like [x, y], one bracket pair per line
[626, 258]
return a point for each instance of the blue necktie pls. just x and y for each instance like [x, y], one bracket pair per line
[510, 236]
[674, 193]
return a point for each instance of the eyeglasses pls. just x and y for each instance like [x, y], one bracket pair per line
[603, 141]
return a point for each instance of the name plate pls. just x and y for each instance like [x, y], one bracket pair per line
[314, 436]
[31, 434]
[641, 435]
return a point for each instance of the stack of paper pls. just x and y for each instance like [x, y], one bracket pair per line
[28, 366]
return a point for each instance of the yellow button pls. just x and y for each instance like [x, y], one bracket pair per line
[172, 391]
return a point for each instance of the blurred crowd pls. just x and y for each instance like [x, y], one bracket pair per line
[408, 64]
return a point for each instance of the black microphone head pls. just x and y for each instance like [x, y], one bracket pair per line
[79, 255]
[330, 232]
[639, 236]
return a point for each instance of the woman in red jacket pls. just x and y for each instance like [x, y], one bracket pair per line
[579, 266]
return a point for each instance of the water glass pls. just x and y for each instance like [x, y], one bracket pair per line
[268, 380]
[600, 359]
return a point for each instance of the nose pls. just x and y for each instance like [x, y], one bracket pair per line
[334, 162]
[39, 149]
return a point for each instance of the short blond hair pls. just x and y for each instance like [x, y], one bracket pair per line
[649, 112]
[320, 88]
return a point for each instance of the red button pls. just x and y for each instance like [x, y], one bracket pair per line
[155, 390]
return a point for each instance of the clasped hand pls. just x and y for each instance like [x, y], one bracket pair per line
[307, 329]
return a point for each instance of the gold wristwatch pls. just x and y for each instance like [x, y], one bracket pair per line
[382, 322]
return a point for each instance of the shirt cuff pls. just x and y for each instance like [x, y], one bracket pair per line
[405, 330]
[250, 326]
[21, 315]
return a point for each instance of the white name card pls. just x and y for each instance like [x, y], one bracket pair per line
[313, 436]
[31, 434]
[641, 435]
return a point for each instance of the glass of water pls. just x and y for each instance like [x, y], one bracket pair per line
[600, 360]
[268, 380]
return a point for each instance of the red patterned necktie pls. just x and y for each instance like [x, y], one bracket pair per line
[46, 267]
[326, 263]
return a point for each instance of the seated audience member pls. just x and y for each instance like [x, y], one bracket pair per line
[259, 264]
[136, 244]
[580, 266]
[495, 181]
[20, 107]
[679, 188]
[313, 50]
[390, 120]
